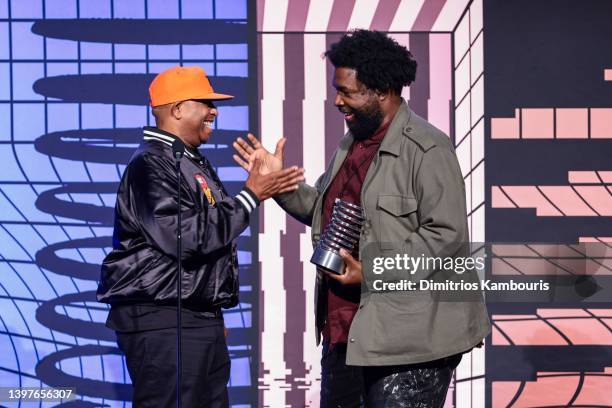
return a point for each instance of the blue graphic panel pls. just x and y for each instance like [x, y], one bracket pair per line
[73, 96]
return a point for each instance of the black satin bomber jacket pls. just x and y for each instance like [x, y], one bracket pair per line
[142, 267]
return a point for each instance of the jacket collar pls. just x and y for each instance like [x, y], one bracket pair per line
[153, 133]
[392, 142]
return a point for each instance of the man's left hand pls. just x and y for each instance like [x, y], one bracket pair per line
[353, 274]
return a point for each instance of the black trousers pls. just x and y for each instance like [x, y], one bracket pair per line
[151, 362]
[403, 386]
[341, 385]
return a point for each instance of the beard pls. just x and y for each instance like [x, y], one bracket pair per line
[365, 121]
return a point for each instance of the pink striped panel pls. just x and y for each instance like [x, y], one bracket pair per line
[572, 123]
[334, 121]
[383, 16]
[296, 15]
[506, 128]
[585, 201]
[557, 250]
[556, 389]
[261, 4]
[530, 197]
[530, 333]
[504, 392]
[537, 124]
[583, 177]
[498, 339]
[340, 15]
[606, 176]
[596, 391]
[603, 267]
[598, 197]
[500, 199]
[584, 331]
[428, 15]
[290, 378]
[595, 239]
[556, 266]
[566, 200]
[601, 123]
[290, 241]
[601, 312]
[537, 266]
[502, 267]
[420, 15]
[438, 107]
[512, 250]
[547, 313]
[502, 317]
[536, 393]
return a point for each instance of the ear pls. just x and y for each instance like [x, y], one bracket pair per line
[175, 110]
[387, 95]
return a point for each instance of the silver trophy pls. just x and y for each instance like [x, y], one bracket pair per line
[343, 231]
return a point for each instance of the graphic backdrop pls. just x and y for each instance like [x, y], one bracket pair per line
[73, 98]
[549, 159]
[522, 88]
[296, 100]
[480, 67]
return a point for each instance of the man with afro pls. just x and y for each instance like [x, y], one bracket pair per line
[384, 347]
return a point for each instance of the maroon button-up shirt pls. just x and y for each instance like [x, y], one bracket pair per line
[342, 300]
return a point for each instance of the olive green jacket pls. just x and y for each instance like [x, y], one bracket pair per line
[413, 198]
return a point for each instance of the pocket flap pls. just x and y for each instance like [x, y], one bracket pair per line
[397, 205]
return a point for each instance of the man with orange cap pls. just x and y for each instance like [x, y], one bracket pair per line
[139, 276]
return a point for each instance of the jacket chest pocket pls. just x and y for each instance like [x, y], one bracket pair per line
[397, 219]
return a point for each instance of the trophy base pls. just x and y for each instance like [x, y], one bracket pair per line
[328, 260]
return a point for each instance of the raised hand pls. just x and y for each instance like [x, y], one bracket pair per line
[352, 270]
[267, 185]
[249, 151]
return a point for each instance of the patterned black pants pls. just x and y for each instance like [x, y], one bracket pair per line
[404, 386]
[410, 386]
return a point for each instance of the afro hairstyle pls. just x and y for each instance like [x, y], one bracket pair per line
[380, 62]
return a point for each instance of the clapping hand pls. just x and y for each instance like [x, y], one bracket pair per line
[266, 174]
[247, 152]
[268, 185]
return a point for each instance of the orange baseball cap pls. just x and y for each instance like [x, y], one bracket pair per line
[180, 84]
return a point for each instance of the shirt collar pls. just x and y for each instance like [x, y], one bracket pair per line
[153, 133]
[377, 137]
